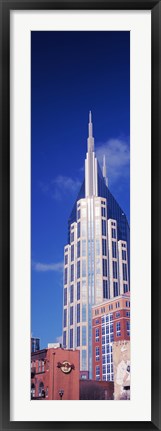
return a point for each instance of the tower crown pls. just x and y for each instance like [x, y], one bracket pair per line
[91, 180]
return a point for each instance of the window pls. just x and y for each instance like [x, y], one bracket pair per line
[108, 368]
[72, 272]
[65, 275]
[125, 287]
[117, 304]
[83, 335]
[78, 249]
[113, 233]
[84, 355]
[103, 211]
[127, 313]
[72, 252]
[127, 303]
[65, 296]
[111, 327]
[114, 264]
[104, 267]
[97, 354]
[123, 245]
[41, 389]
[64, 339]
[124, 267]
[72, 237]
[97, 372]
[71, 338]
[102, 309]
[83, 247]
[123, 254]
[115, 288]
[103, 330]
[114, 249]
[71, 293]
[78, 336]
[71, 315]
[97, 321]
[118, 329]
[104, 369]
[66, 259]
[117, 314]
[104, 248]
[78, 230]
[78, 313]
[78, 269]
[97, 334]
[78, 290]
[128, 327]
[110, 307]
[103, 350]
[65, 317]
[78, 214]
[83, 312]
[83, 268]
[105, 289]
[104, 227]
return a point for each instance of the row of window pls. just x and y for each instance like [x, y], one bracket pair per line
[110, 307]
[116, 315]
[84, 337]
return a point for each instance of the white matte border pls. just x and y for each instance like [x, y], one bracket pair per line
[139, 24]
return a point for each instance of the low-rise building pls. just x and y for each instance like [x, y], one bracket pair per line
[110, 323]
[55, 374]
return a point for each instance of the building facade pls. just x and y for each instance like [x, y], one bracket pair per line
[110, 324]
[96, 258]
[55, 374]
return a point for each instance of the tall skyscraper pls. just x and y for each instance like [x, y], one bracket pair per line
[96, 258]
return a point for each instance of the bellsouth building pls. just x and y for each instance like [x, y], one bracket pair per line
[96, 258]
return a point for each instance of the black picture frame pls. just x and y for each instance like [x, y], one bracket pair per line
[5, 8]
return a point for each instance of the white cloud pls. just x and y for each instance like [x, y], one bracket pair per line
[117, 155]
[45, 267]
[60, 187]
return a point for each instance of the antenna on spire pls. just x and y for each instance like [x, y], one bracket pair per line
[90, 126]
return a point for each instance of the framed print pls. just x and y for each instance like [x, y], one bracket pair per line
[80, 214]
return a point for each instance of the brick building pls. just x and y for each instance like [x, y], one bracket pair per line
[110, 323]
[55, 374]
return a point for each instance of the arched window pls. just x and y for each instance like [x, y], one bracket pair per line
[32, 391]
[41, 389]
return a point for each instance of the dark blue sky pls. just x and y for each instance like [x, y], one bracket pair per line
[72, 73]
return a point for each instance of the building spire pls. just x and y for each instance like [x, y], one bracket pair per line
[104, 171]
[90, 134]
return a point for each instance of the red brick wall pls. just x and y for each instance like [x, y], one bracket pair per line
[53, 378]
